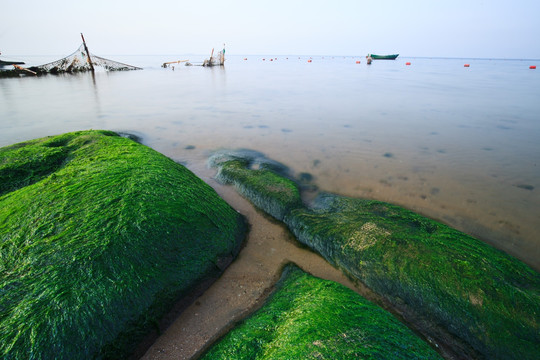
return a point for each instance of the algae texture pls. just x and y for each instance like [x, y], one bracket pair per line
[478, 294]
[310, 318]
[99, 236]
[261, 180]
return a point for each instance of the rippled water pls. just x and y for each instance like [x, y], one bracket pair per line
[457, 144]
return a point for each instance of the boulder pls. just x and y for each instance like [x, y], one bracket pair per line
[99, 237]
[311, 318]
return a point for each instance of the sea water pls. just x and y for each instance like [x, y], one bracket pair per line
[458, 144]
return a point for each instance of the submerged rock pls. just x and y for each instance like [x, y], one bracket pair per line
[253, 175]
[99, 237]
[477, 294]
[310, 318]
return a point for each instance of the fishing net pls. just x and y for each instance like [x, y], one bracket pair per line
[79, 61]
[218, 59]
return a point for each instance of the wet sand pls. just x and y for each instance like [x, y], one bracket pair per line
[244, 285]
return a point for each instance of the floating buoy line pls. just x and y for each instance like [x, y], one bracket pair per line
[310, 60]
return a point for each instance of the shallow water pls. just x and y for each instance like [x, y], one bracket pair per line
[456, 144]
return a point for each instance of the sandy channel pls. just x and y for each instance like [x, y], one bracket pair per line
[244, 285]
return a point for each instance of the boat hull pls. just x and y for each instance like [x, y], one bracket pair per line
[8, 63]
[383, 57]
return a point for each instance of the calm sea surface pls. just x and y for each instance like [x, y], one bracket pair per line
[457, 144]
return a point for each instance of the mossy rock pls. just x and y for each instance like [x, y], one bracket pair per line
[310, 318]
[263, 181]
[478, 294]
[99, 237]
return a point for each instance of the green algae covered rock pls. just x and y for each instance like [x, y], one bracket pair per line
[259, 179]
[310, 318]
[99, 236]
[476, 293]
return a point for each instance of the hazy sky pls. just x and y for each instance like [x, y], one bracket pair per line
[447, 28]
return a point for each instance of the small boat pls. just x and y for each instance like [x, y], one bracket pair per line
[9, 63]
[383, 57]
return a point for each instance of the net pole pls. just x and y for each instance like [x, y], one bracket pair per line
[87, 54]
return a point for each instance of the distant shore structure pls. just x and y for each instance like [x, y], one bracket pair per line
[79, 61]
[217, 60]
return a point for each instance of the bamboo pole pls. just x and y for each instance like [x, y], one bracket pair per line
[24, 69]
[87, 54]
[173, 62]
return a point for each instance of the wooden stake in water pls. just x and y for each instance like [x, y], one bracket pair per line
[87, 54]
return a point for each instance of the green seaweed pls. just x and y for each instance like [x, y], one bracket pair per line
[479, 294]
[266, 186]
[29, 162]
[310, 318]
[99, 236]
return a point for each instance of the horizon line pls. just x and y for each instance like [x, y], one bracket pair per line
[299, 55]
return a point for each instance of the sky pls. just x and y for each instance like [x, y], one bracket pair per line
[417, 28]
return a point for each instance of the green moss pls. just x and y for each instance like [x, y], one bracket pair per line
[99, 236]
[477, 293]
[311, 318]
[266, 185]
[29, 162]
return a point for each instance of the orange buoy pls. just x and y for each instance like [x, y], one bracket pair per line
[532, 67]
[245, 58]
[358, 61]
[466, 65]
[407, 63]
[310, 60]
